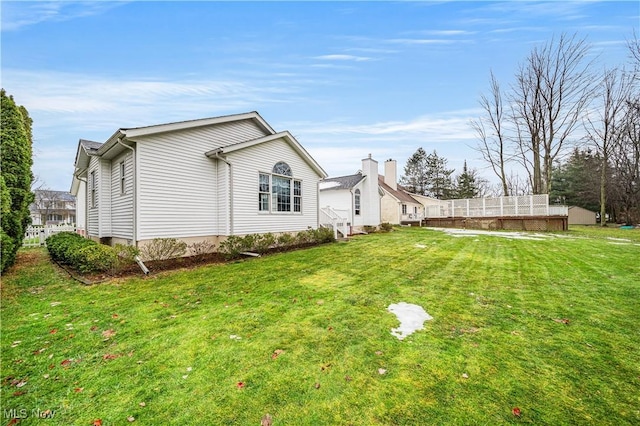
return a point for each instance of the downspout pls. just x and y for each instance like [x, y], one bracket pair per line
[86, 205]
[217, 157]
[134, 222]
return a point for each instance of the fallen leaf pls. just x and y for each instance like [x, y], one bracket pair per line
[131, 419]
[381, 371]
[317, 385]
[46, 376]
[240, 385]
[53, 331]
[142, 404]
[347, 378]
[562, 320]
[97, 422]
[276, 353]
[107, 334]
[13, 421]
[21, 383]
[516, 411]
[19, 393]
[114, 316]
[266, 420]
[378, 353]
[465, 376]
[78, 390]
[93, 328]
[110, 356]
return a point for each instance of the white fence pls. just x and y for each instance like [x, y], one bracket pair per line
[35, 236]
[525, 205]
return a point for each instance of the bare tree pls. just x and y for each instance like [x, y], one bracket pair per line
[47, 202]
[492, 142]
[606, 123]
[626, 165]
[552, 90]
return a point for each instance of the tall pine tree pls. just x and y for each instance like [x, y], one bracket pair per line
[415, 178]
[466, 185]
[439, 182]
[16, 162]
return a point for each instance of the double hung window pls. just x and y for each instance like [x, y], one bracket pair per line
[278, 191]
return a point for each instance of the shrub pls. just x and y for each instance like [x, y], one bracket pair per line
[126, 254]
[284, 240]
[322, 235]
[163, 249]
[95, 258]
[64, 245]
[386, 227]
[201, 248]
[264, 242]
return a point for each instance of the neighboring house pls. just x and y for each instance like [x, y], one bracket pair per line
[52, 207]
[398, 206]
[581, 216]
[369, 199]
[356, 197]
[196, 180]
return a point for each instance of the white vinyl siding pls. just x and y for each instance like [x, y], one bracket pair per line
[181, 192]
[248, 164]
[122, 196]
[99, 213]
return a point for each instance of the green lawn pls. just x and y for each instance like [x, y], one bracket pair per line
[550, 326]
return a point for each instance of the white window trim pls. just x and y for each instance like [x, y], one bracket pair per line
[292, 181]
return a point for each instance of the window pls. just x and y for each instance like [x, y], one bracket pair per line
[281, 190]
[92, 184]
[264, 193]
[357, 202]
[404, 209]
[415, 210]
[297, 196]
[123, 188]
[282, 168]
[278, 192]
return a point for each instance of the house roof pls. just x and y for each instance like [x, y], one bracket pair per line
[400, 194]
[341, 182]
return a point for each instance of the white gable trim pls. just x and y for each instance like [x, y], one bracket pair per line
[286, 136]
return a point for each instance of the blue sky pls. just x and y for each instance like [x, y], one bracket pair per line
[345, 78]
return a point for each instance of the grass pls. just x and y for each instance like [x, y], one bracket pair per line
[549, 327]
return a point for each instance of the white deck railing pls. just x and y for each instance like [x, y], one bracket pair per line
[336, 220]
[525, 205]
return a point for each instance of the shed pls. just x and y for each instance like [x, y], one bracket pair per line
[581, 216]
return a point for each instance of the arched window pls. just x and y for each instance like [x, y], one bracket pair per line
[356, 202]
[282, 168]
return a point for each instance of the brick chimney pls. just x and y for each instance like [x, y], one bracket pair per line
[390, 174]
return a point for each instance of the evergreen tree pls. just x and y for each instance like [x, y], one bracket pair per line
[415, 178]
[577, 181]
[466, 184]
[16, 161]
[439, 183]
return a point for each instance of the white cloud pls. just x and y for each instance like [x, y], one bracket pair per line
[343, 58]
[16, 15]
